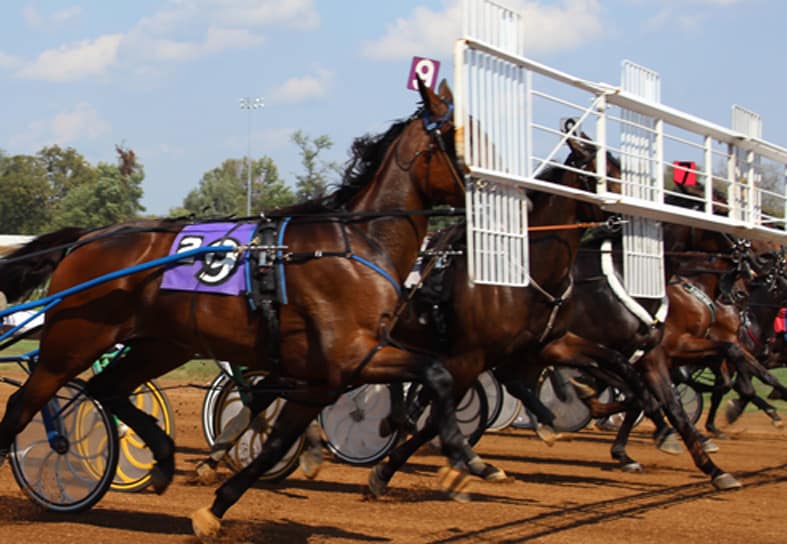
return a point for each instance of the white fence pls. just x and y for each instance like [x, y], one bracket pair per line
[508, 114]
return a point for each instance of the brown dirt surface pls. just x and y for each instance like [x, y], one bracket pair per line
[569, 493]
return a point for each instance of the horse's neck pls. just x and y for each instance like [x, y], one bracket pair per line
[553, 252]
[391, 192]
[709, 281]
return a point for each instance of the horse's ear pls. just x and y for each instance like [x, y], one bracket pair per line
[430, 100]
[444, 92]
[579, 149]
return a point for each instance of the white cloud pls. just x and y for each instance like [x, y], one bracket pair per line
[180, 31]
[66, 14]
[423, 33]
[298, 89]
[35, 19]
[8, 61]
[566, 25]
[300, 14]
[80, 123]
[83, 122]
[74, 61]
[31, 16]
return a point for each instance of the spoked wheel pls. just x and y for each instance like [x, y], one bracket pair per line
[510, 409]
[66, 457]
[471, 413]
[352, 425]
[495, 396]
[136, 460]
[614, 421]
[557, 393]
[209, 407]
[691, 400]
[227, 405]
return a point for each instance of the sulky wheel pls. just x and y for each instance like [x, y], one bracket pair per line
[556, 393]
[209, 406]
[65, 459]
[495, 396]
[471, 414]
[352, 425]
[136, 460]
[510, 409]
[227, 405]
[614, 421]
[691, 400]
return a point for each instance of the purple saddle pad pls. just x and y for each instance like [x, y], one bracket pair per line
[221, 273]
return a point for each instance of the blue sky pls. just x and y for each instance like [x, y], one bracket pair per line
[164, 78]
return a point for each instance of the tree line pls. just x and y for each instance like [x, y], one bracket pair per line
[58, 187]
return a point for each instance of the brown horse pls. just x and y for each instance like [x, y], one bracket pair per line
[343, 259]
[520, 330]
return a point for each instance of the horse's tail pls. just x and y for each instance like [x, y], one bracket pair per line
[31, 265]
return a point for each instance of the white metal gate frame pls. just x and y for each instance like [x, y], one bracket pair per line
[494, 89]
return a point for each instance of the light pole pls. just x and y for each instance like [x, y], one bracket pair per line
[250, 103]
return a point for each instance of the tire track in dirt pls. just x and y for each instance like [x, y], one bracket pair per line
[568, 518]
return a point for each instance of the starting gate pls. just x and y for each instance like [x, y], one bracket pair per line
[508, 112]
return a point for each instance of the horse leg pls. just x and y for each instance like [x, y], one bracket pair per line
[618, 450]
[655, 372]
[291, 423]
[545, 419]
[205, 472]
[145, 360]
[769, 410]
[311, 458]
[717, 393]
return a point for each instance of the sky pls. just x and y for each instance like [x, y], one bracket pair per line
[165, 78]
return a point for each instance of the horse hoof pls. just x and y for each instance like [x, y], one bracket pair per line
[205, 525]
[726, 482]
[494, 474]
[310, 464]
[488, 472]
[709, 446]
[377, 484]
[631, 467]
[671, 445]
[583, 390]
[778, 423]
[386, 428]
[547, 434]
[159, 479]
[733, 411]
[205, 474]
[454, 482]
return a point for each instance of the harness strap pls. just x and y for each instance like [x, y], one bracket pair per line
[555, 302]
[703, 297]
[608, 268]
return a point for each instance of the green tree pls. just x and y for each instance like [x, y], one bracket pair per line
[315, 180]
[222, 191]
[24, 195]
[112, 196]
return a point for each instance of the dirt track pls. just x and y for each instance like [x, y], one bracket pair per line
[568, 493]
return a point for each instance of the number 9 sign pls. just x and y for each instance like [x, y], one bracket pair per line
[424, 68]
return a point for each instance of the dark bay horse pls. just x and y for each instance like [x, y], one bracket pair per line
[520, 330]
[343, 260]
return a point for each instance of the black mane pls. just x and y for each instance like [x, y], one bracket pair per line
[367, 153]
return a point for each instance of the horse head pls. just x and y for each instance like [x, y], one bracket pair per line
[440, 174]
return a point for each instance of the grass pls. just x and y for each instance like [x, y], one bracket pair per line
[206, 369]
[197, 369]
